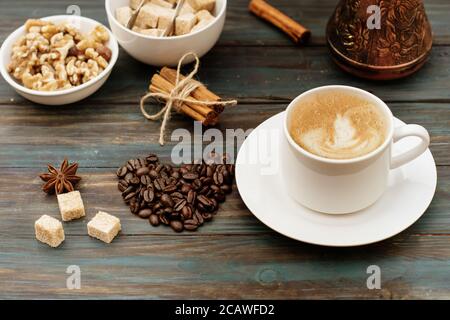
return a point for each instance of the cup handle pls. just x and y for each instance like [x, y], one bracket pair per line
[410, 130]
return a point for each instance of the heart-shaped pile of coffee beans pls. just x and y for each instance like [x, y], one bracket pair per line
[183, 197]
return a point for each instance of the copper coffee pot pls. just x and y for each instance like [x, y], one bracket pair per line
[398, 48]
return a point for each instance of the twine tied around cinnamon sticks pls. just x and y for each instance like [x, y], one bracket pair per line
[185, 95]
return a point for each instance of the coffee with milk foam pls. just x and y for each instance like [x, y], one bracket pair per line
[337, 125]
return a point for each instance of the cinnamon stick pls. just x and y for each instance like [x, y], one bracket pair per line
[198, 112]
[183, 108]
[162, 83]
[201, 93]
[293, 29]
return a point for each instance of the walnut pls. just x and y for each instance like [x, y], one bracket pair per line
[34, 23]
[54, 57]
[100, 34]
[105, 52]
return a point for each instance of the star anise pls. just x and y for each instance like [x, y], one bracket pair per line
[62, 180]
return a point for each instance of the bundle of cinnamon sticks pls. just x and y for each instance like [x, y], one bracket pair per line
[164, 82]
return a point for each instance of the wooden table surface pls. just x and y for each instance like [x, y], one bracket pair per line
[236, 256]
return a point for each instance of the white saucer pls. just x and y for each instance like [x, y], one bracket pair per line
[409, 193]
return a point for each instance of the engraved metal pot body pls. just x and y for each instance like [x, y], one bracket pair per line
[379, 39]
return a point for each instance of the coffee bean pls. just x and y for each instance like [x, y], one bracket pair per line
[127, 191]
[170, 188]
[214, 203]
[208, 181]
[215, 188]
[141, 171]
[191, 196]
[164, 175]
[204, 190]
[220, 178]
[198, 216]
[122, 181]
[227, 178]
[148, 195]
[183, 170]
[226, 188]
[157, 206]
[122, 185]
[130, 196]
[209, 194]
[201, 207]
[207, 216]
[152, 158]
[163, 219]
[176, 195]
[166, 200]
[174, 216]
[176, 225]
[128, 177]
[146, 180]
[153, 174]
[220, 196]
[183, 197]
[179, 205]
[145, 213]
[203, 170]
[134, 207]
[216, 179]
[122, 172]
[186, 212]
[154, 220]
[185, 188]
[204, 200]
[190, 176]
[135, 180]
[158, 168]
[197, 184]
[190, 225]
[157, 185]
[130, 166]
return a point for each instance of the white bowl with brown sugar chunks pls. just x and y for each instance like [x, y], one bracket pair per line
[58, 60]
[197, 28]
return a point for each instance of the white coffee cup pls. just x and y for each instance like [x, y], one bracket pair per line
[339, 186]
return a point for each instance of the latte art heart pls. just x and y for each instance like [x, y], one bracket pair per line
[337, 126]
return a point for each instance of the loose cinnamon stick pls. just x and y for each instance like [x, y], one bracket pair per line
[198, 112]
[296, 31]
[201, 93]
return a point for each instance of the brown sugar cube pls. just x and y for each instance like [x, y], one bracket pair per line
[49, 230]
[165, 17]
[123, 14]
[149, 32]
[148, 16]
[134, 4]
[162, 3]
[184, 23]
[204, 15]
[202, 4]
[152, 32]
[71, 205]
[186, 8]
[104, 227]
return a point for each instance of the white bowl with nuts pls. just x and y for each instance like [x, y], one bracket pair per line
[196, 29]
[58, 60]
